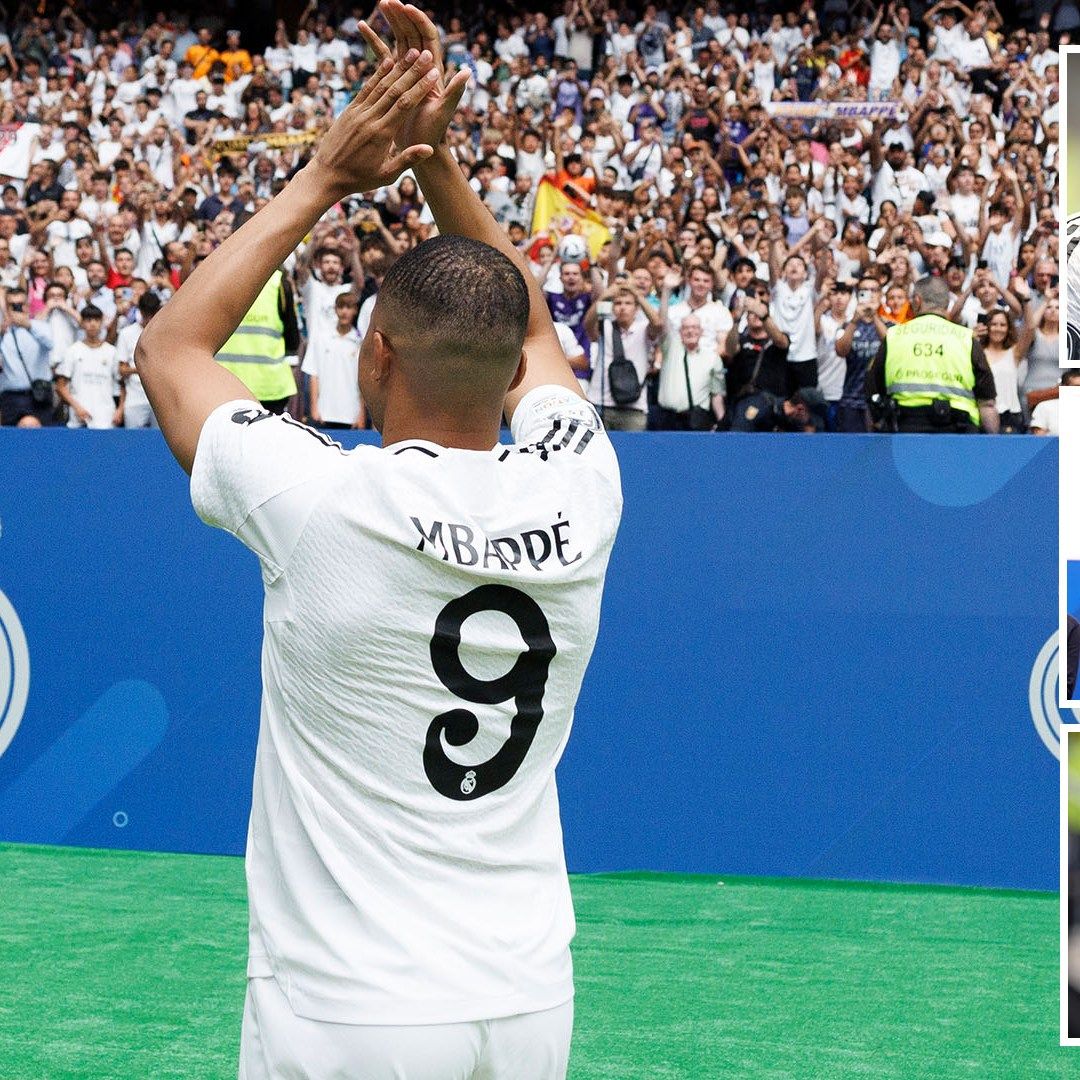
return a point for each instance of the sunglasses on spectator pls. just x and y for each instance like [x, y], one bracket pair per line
[16, 307]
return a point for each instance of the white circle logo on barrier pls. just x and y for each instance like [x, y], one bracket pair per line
[14, 672]
[1046, 715]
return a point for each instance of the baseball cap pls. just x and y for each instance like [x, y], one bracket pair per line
[814, 400]
[938, 239]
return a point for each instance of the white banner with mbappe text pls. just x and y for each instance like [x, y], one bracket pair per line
[833, 110]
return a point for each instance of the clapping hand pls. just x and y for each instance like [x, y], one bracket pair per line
[414, 34]
[361, 150]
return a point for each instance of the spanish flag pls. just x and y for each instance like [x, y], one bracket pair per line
[557, 215]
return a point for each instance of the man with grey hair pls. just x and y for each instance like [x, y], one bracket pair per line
[934, 371]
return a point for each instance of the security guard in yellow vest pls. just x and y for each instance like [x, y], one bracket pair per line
[257, 352]
[934, 371]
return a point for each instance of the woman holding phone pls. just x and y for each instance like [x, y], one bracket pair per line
[1005, 347]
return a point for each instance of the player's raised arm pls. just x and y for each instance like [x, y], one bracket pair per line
[456, 207]
[175, 354]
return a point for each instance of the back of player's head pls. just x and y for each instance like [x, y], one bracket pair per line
[149, 304]
[457, 307]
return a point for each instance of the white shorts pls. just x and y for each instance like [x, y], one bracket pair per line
[276, 1044]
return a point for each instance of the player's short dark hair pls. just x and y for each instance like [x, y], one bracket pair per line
[465, 299]
[149, 304]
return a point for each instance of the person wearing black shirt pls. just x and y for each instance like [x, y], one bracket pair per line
[46, 188]
[756, 348]
[222, 198]
[196, 120]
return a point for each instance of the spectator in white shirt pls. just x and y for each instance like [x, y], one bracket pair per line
[137, 411]
[691, 387]
[999, 242]
[62, 320]
[331, 365]
[97, 294]
[895, 180]
[98, 205]
[305, 57]
[884, 55]
[793, 311]
[88, 377]
[333, 48]
[66, 227]
[509, 45]
[715, 317]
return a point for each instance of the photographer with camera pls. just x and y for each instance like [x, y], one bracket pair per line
[26, 389]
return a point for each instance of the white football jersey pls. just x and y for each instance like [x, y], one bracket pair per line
[429, 615]
[1072, 283]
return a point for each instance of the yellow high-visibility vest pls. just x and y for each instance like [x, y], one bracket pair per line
[255, 353]
[930, 358]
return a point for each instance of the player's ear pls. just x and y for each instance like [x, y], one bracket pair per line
[382, 356]
[520, 373]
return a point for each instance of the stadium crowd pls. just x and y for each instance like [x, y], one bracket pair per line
[742, 268]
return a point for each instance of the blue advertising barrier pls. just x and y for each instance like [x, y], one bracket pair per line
[824, 657]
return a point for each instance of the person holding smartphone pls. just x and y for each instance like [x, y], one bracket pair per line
[857, 345]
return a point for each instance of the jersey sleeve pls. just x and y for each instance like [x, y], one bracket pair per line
[555, 424]
[1072, 285]
[259, 476]
[541, 408]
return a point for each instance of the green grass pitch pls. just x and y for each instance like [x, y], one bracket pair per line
[130, 966]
